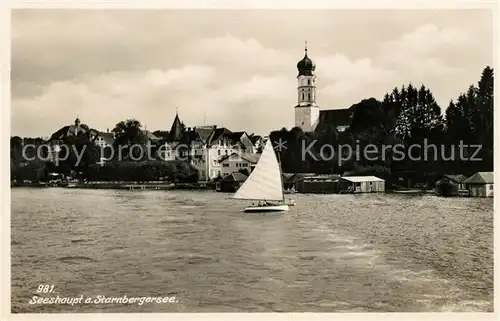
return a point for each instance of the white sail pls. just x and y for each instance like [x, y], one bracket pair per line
[264, 183]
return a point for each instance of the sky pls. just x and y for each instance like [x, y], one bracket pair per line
[231, 68]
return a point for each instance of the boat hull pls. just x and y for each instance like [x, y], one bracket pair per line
[268, 208]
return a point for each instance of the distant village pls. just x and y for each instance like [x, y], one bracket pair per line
[226, 157]
[213, 150]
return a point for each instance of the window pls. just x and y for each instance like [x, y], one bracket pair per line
[308, 81]
[309, 96]
[245, 165]
[302, 96]
[218, 152]
[225, 165]
[226, 151]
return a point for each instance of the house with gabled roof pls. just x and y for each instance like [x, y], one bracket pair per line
[77, 129]
[480, 184]
[238, 162]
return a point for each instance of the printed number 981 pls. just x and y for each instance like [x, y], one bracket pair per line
[45, 288]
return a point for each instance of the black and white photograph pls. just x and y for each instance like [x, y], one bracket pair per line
[251, 160]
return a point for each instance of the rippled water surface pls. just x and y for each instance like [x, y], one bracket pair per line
[330, 253]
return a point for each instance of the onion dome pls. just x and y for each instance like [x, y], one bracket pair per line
[306, 66]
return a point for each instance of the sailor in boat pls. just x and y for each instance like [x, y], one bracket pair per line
[263, 203]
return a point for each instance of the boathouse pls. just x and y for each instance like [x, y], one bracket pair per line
[480, 184]
[451, 185]
[361, 184]
[318, 184]
[231, 182]
[292, 181]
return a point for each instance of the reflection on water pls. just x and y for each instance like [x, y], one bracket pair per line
[330, 253]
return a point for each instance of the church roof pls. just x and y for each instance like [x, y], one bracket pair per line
[335, 117]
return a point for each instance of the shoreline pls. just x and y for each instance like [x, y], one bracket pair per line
[121, 185]
[168, 186]
[189, 186]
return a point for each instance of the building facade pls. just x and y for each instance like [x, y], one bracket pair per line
[238, 162]
[203, 147]
[480, 184]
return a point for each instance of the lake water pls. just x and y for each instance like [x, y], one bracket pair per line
[329, 253]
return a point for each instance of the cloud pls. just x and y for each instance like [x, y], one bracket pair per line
[444, 58]
[425, 39]
[426, 46]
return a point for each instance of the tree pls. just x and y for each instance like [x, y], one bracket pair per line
[127, 130]
[80, 152]
[34, 171]
[420, 115]
[469, 120]
[485, 101]
[16, 148]
[129, 133]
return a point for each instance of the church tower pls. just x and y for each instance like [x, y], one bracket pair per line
[306, 111]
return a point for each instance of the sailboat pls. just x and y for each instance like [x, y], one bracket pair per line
[264, 184]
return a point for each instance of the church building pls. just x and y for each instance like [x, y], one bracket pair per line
[308, 115]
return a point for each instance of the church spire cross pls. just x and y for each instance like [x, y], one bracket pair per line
[305, 47]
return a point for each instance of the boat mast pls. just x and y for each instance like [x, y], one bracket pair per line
[281, 176]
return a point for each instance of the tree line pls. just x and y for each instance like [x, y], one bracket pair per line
[407, 116]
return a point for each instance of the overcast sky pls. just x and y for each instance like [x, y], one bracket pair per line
[236, 67]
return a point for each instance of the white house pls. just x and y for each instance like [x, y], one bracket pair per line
[480, 184]
[236, 162]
